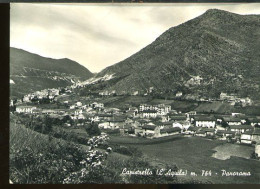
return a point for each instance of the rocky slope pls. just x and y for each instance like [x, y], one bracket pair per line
[215, 52]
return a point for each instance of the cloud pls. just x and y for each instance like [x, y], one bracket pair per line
[99, 35]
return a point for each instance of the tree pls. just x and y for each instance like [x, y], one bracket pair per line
[47, 125]
[224, 124]
[92, 129]
[13, 108]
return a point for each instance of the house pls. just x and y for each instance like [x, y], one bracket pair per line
[131, 113]
[149, 113]
[223, 134]
[178, 94]
[177, 124]
[78, 112]
[138, 131]
[173, 131]
[105, 116]
[246, 137]
[72, 107]
[225, 96]
[243, 118]
[191, 113]
[201, 133]
[178, 118]
[94, 118]
[165, 118]
[142, 122]
[50, 111]
[250, 136]
[78, 104]
[160, 109]
[77, 116]
[116, 122]
[184, 125]
[232, 120]
[104, 125]
[163, 109]
[151, 130]
[219, 118]
[96, 105]
[126, 129]
[25, 109]
[37, 111]
[26, 99]
[168, 131]
[192, 130]
[256, 135]
[162, 124]
[208, 131]
[254, 121]
[204, 121]
[240, 128]
[257, 149]
[81, 116]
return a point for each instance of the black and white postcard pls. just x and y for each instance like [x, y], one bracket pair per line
[134, 93]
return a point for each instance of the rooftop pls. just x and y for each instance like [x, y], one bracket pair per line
[204, 118]
[149, 127]
[231, 119]
[240, 127]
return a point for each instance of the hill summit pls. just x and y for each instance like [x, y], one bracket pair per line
[213, 53]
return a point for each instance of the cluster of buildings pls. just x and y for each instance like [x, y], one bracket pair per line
[153, 121]
[150, 120]
[233, 98]
[46, 93]
[152, 111]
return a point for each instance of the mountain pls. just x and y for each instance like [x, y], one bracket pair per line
[215, 52]
[30, 72]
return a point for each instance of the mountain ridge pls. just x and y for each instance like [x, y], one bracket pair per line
[216, 43]
[30, 72]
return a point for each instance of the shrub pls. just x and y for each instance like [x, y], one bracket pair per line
[92, 129]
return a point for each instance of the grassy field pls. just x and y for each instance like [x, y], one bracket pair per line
[117, 139]
[218, 107]
[121, 101]
[226, 108]
[195, 154]
[225, 151]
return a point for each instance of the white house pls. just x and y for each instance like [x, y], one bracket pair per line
[240, 128]
[246, 137]
[250, 136]
[178, 94]
[150, 130]
[182, 125]
[203, 121]
[149, 114]
[72, 107]
[223, 134]
[78, 112]
[232, 120]
[79, 104]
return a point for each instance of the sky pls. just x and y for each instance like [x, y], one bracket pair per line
[100, 35]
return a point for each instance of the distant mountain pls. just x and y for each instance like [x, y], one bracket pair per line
[215, 52]
[30, 72]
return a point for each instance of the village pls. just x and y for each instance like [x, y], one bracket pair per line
[146, 120]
